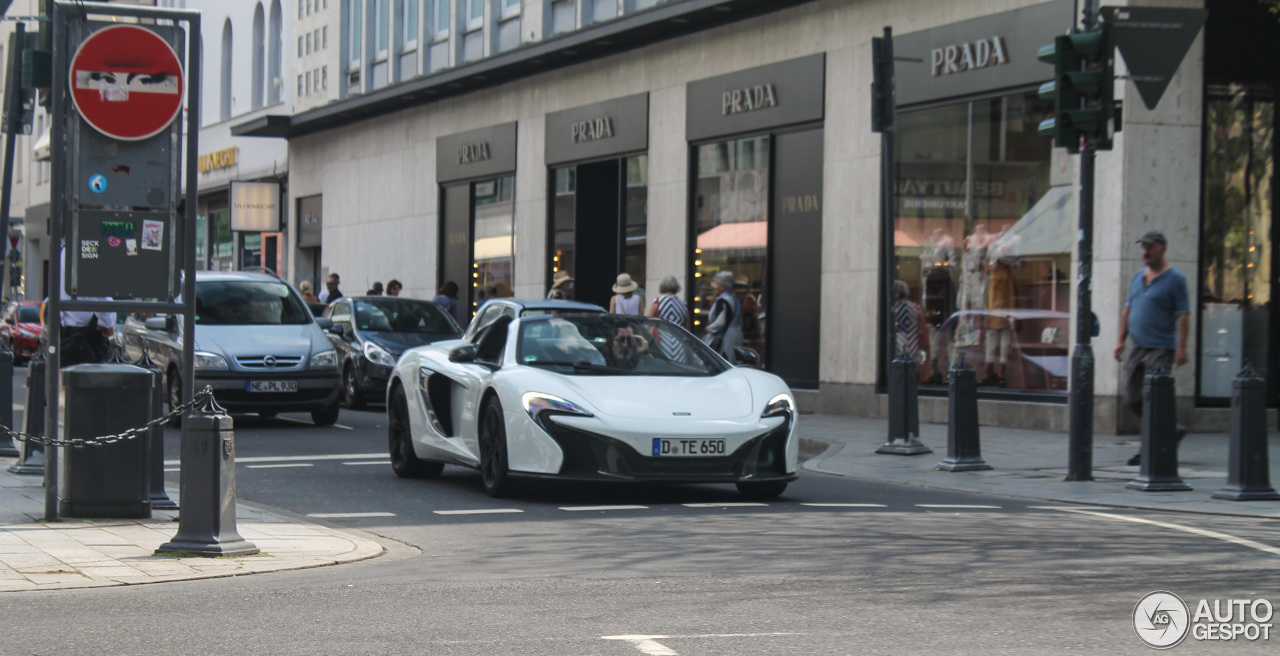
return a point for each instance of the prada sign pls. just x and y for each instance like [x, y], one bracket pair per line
[476, 153]
[968, 56]
[603, 129]
[770, 96]
[979, 55]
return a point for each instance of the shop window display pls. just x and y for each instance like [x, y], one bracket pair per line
[983, 239]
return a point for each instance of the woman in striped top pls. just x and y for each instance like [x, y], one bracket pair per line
[669, 306]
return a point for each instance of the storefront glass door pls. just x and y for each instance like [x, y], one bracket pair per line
[493, 240]
[1236, 267]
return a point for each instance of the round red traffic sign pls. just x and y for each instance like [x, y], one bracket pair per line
[126, 81]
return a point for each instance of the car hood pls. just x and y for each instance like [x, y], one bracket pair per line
[31, 327]
[725, 396]
[397, 343]
[236, 341]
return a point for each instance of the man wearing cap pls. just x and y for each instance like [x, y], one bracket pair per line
[1157, 315]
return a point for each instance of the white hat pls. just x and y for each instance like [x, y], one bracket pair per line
[560, 278]
[625, 284]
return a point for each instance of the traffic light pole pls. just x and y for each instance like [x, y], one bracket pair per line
[1080, 458]
[1080, 441]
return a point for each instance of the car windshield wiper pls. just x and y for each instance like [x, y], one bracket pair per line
[583, 365]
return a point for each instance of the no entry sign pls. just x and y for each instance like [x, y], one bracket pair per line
[126, 81]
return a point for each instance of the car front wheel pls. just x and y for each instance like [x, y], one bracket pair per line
[351, 389]
[327, 416]
[404, 462]
[493, 450]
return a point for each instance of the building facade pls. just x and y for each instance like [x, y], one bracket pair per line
[510, 140]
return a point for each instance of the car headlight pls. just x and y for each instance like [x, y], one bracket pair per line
[205, 361]
[539, 405]
[781, 405]
[378, 355]
[324, 359]
[28, 334]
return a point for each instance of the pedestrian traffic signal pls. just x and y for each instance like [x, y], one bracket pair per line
[1081, 90]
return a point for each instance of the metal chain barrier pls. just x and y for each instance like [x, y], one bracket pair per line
[82, 442]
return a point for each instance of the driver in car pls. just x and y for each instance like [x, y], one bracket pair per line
[628, 349]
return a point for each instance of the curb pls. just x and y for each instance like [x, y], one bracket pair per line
[833, 448]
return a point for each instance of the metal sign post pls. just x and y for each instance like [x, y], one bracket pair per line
[116, 172]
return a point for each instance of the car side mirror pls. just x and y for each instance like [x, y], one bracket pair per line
[745, 357]
[324, 323]
[156, 323]
[463, 353]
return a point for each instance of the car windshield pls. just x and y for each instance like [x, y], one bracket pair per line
[403, 316]
[28, 314]
[248, 303]
[594, 344]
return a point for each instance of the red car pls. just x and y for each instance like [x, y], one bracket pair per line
[20, 329]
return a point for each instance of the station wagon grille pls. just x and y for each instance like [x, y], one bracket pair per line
[269, 362]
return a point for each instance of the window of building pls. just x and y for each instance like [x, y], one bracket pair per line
[299, 46]
[324, 77]
[383, 31]
[601, 10]
[275, 54]
[442, 19]
[409, 23]
[301, 7]
[354, 28]
[308, 43]
[308, 76]
[475, 14]
[324, 37]
[493, 247]
[563, 16]
[226, 101]
[299, 86]
[983, 242]
[258, 67]
[510, 8]
[308, 7]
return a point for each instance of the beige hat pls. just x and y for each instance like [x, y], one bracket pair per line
[560, 278]
[625, 284]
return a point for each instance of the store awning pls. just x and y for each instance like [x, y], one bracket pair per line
[1048, 227]
[492, 248]
[40, 152]
[729, 236]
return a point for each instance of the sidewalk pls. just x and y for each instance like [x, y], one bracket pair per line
[1033, 464]
[84, 553]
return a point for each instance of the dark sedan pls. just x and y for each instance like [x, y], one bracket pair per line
[370, 333]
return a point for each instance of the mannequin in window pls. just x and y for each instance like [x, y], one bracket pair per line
[1001, 301]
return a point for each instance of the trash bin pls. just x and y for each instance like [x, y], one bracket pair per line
[107, 480]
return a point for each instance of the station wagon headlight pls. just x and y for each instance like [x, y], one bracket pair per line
[781, 405]
[538, 405]
[324, 359]
[205, 361]
[378, 355]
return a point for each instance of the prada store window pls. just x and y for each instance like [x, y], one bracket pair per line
[493, 266]
[983, 241]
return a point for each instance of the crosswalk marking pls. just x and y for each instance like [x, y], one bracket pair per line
[478, 511]
[281, 465]
[730, 504]
[845, 505]
[350, 515]
[953, 505]
[335, 456]
[589, 508]
[369, 462]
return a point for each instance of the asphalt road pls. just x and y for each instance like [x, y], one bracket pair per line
[834, 566]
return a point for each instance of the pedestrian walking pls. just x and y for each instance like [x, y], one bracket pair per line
[375, 290]
[670, 307]
[305, 288]
[448, 298]
[331, 293]
[625, 299]
[1157, 317]
[394, 287]
[911, 333]
[724, 327]
[560, 287]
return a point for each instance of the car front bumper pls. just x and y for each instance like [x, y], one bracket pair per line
[316, 390]
[372, 378]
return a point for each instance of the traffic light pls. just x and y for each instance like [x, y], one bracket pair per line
[1081, 90]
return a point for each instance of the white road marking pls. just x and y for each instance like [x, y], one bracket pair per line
[649, 644]
[730, 504]
[343, 427]
[845, 505]
[334, 456]
[478, 511]
[281, 465]
[589, 508]
[350, 515]
[173, 469]
[956, 505]
[369, 462]
[1066, 508]
[1266, 548]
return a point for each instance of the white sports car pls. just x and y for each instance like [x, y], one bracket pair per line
[590, 396]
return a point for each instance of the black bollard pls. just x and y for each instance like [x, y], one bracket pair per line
[7, 447]
[904, 410]
[964, 448]
[159, 498]
[31, 456]
[1159, 471]
[1248, 466]
[207, 523]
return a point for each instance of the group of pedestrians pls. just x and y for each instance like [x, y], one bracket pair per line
[331, 292]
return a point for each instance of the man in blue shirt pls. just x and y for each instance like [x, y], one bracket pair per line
[1157, 316]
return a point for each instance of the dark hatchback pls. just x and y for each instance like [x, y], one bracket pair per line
[370, 333]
